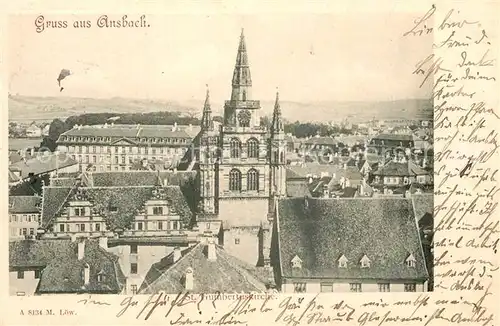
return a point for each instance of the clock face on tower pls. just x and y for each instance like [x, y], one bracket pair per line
[244, 118]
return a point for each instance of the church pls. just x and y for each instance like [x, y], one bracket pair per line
[241, 169]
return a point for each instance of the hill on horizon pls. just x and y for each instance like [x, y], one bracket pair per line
[30, 108]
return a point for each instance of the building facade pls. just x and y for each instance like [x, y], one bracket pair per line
[121, 147]
[24, 216]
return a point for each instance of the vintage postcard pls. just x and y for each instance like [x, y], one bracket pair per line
[293, 165]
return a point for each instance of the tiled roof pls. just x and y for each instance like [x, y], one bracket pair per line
[226, 274]
[297, 189]
[424, 205]
[24, 204]
[323, 230]
[128, 200]
[392, 168]
[186, 180]
[62, 182]
[62, 271]
[128, 131]
[53, 200]
[44, 164]
[35, 253]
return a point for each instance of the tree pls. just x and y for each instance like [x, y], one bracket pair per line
[57, 127]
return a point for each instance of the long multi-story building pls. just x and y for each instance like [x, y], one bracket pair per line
[113, 147]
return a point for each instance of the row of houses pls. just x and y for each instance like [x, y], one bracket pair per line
[150, 238]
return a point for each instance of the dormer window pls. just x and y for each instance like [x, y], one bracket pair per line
[365, 262]
[411, 261]
[343, 262]
[296, 262]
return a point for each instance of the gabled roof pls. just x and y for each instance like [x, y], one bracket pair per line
[62, 271]
[325, 229]
[226, 274]
[24, 204]
[53, 200]
[128, 201]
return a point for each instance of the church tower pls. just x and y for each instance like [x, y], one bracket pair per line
[207, 159]
[243, 171]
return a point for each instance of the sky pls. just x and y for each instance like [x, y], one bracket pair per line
[308, 57]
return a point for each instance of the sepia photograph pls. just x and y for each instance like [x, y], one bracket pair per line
[219, 153]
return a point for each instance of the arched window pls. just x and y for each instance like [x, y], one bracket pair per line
[244, 96]
[253, 180]
[235, 148]
[253, 148]
[282, 157]
[235, 180]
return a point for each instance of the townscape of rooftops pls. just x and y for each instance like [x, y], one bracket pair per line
[238, 203]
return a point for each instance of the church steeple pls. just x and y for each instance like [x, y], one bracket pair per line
[277, 125]
[206, 119]
[242, 80]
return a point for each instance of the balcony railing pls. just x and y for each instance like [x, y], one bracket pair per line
[261, 129]
[243, 104]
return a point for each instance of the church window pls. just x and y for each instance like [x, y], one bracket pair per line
[235, 148]
[235, 180]
[253, 148]
[253, 180]
[282, 157]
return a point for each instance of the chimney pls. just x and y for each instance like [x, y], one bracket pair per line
[81, 249]
[103, 242]
[177, 254]
[211, 255]
[86, 274]
[189, 279]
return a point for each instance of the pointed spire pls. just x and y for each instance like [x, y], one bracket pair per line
[241, 75]
[277, 125]
[206, 120]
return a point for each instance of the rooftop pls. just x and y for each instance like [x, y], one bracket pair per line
[128, 200]
[24, 204]
[62, 271]
[225, 274]
[131, 131]
[402, 169]
[41, 164]
[320, 231]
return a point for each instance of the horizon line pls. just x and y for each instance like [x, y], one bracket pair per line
[202, 100]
